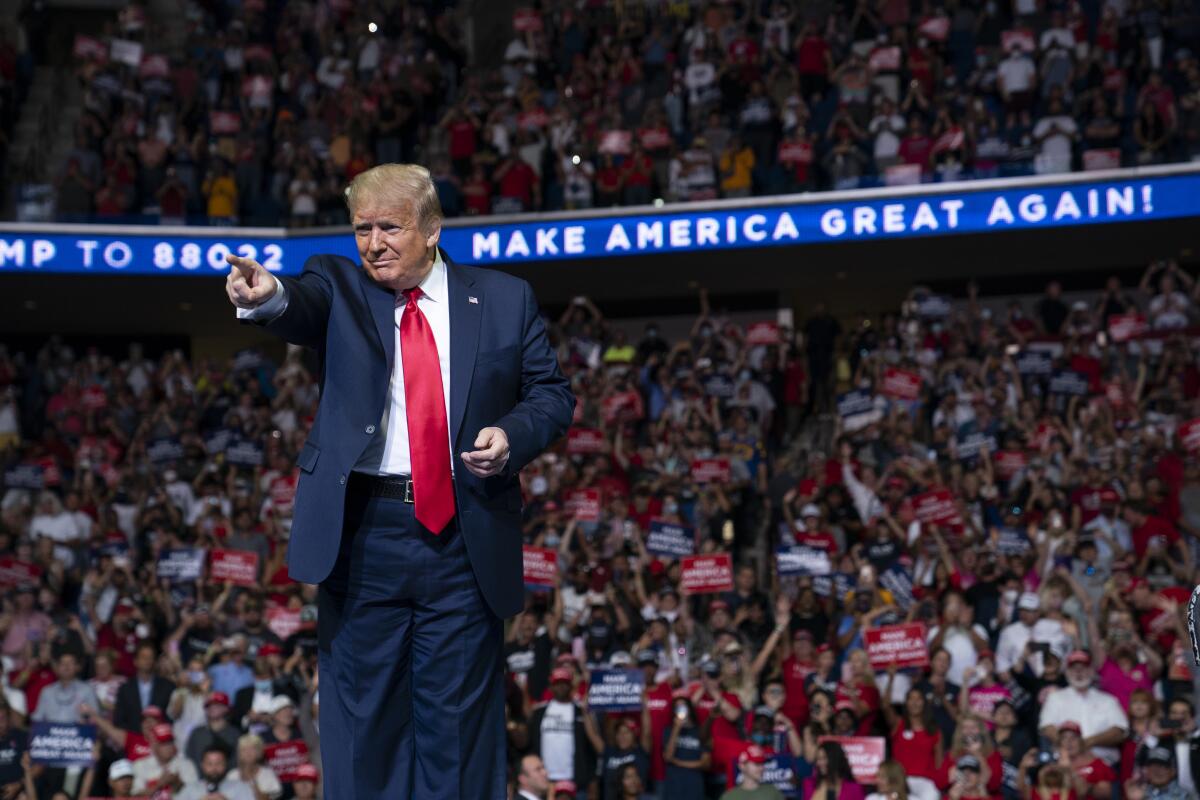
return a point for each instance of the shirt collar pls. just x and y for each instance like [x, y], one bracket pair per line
[434, 285]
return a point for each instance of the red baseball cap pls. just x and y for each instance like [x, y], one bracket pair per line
[824, 647]
[1079, 657]
[567, 787]
[1109, 496]
[163, 733]
[154, 712]
[270, 649]
[754, 754]
[717, 605]
[630, 723]
[561, 675]
[985, 653]
[565, 658]
[217, 697]
[307, 772]
[1070, 725]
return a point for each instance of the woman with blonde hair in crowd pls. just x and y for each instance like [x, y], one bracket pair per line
[972, 738]
[892, 783]
[251, 770]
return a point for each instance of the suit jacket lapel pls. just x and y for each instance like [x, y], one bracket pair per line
[382, 302]
[466, 308]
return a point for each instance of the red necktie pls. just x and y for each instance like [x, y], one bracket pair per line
[428, 433]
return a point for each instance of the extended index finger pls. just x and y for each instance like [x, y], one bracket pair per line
[241, 264]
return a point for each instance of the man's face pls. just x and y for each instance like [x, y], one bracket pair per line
[122, 787]
[212, 766]
[1159, 774]
[561, 691]
[755, 771]
[1079, 675]
[394, 251]
[1179, 713]
[144, 660]
[66, 669]
[533, 775]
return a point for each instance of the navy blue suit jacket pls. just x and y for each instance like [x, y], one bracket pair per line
[503, 373]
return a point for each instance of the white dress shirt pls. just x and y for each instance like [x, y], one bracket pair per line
[393, 457]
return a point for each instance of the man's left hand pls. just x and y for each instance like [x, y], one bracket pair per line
[490, 453]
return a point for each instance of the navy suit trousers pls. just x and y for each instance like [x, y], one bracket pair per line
[411, 663]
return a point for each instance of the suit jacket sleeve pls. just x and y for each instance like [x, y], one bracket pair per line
[547, 404]
[127, 712]
[306, 317]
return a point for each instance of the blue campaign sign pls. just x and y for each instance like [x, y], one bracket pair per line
[183, 564]
[893, 213]
[56, 745]
[801, 559]
[616, 689]
[670, 540]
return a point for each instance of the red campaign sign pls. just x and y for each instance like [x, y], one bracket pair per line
[532, 120]
[795, 153]
[710, 470]
[155, 66]
[937, 507]
[541, 566]
[885, 59]
[935, 28]
[623, 406]
[584, 504]
[1101, 158]
[902, 645]
[655, 138]
[257, 86]
[91, 48]
[257, 52]
[583, 441]
[285, 758]
[1010, 462]
[902, 384]
[706, 574]
[1019, 37]
[526, 19]
[865, 754]
[224, 122]
[762, 333]
[283, 622]
[237, 566]
[1123, 327]
[94, 398]
[1189, 435]
[619, 143]
[14, 572]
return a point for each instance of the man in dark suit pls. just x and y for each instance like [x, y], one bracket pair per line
[144, 689]
[437, 385]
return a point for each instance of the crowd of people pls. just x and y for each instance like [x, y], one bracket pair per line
[273, 106]
[1017, 479]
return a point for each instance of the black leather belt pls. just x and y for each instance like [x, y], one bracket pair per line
[393, 487]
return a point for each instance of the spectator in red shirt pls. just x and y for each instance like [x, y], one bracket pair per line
[518, 181]
[637, 175]
[916, 145]
[1150, 533]
[915, 740]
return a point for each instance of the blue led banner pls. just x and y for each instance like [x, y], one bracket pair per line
[869, 215]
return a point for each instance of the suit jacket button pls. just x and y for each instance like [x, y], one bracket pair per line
[342, 479]
[370, 429]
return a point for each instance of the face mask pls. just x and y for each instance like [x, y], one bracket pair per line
[706, 332]
[538, 485]
[196, 676]
[262, 686]
[762, 739]
[1010, 596]
[652, 333]
[551, 540]
[670, 507]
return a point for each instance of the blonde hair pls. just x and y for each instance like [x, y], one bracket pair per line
[399, 185]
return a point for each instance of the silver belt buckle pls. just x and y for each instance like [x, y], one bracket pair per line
[408, 491]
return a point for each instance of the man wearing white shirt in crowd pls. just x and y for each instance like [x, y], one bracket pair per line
[1016, 76]
[1108, 526]
[1102, 721]
[165, 766]
[532, 783]
[1029, 627]
[887, 126]
[959, 635]
[1055, 134]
